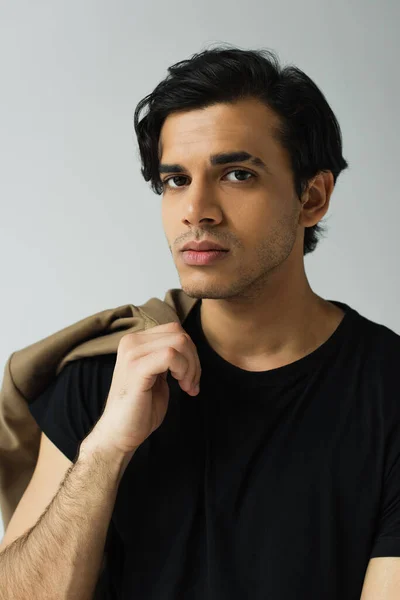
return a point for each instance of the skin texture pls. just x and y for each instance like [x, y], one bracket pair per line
[258, 311]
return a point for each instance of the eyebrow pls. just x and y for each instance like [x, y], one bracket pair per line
[220, 159]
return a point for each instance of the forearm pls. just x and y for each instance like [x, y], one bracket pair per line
[60, 557]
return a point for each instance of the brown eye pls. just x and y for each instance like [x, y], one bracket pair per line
[173, 177]
[241, 171]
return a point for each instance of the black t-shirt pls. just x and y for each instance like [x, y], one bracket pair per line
[279, 484]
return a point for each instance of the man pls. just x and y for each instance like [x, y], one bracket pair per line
[281, 479]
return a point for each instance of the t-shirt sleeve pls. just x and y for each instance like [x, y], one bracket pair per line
[69, 408]
[387, 538]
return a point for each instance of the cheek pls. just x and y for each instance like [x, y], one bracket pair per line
[166, 223]
[254, 216]
[171, 226]
[166, 217]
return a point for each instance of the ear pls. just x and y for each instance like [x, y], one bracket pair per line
[315, 200]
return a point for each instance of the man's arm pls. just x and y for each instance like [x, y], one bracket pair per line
[60, 557]
[382, 579]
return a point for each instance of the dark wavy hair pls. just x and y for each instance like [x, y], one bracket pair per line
[308, 129]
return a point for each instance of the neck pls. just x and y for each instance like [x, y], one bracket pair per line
[279, 326]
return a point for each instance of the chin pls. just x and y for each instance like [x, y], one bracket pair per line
[207, 290]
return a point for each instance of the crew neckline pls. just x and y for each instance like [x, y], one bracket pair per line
[235, 375]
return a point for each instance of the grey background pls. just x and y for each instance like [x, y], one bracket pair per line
[81, 231]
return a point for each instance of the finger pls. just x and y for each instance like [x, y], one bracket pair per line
[156, 363]
[181, 342]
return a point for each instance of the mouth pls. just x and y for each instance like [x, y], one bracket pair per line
[203, 257]
[203, 246]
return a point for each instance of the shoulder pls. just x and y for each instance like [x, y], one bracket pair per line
[83, 379]
[379, 341]
[90, 364]
[89, 371]
[378, 366]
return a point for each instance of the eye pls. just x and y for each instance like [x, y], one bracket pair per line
[171, 178]
[185, 177]
[241, 171]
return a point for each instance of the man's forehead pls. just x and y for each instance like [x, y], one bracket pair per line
[220, 127]
[187, 127]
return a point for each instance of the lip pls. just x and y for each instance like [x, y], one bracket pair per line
[192, 257]
[203, 245]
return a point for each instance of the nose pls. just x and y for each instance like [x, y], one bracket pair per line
[200, 203]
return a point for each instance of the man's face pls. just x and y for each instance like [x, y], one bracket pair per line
[253, 213]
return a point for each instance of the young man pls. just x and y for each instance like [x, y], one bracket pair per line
[281, 479]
